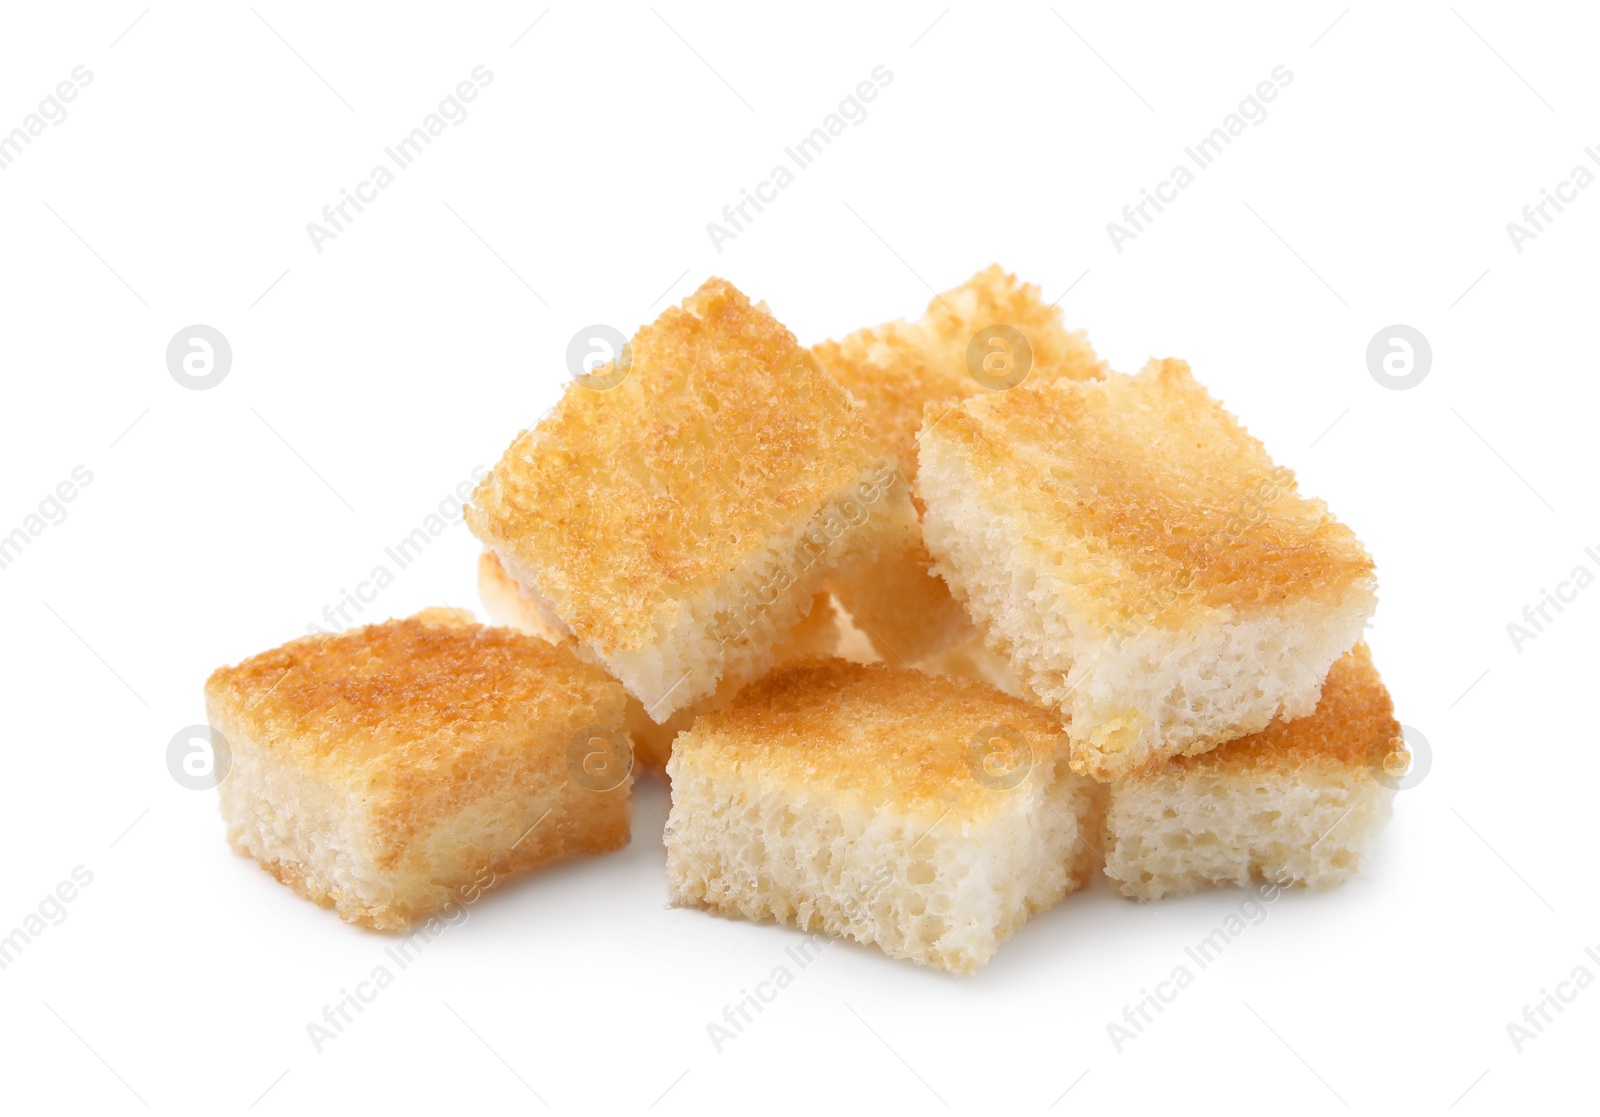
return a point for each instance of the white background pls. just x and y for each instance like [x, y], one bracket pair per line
[370, 379]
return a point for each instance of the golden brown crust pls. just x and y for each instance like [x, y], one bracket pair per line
[898, 368]
[427, 713]
[394, 770]
[1156, 498]
[995, 297]
[652, 742]
[624, 503]
[1353, 727]
[890, 735]
[893, 371]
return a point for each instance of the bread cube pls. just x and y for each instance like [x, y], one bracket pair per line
[1140, 561]
[926, 816]
[679, 523]
[394, 770]
[897, 369]
[1299, 803]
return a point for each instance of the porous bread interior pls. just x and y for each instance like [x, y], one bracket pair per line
[934, 867]
[631, 514]
[895, 370]
[1137, 682]
[1295, 804]
[821, 632]
[387, 831]
[1130, 699]
[914, 887]
[311, 836]
[1178, 833]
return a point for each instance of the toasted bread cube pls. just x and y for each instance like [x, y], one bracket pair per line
[927, 816]
[1299, 803]
[680, 523]
[895, 370]
[394, 770]
[1140, 561]
[818, 633]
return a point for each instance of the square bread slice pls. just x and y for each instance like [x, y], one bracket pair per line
[395, 770]
[818, 633]
[1299, 803]
[1140, 561]
[926, 816]
[895, 370]
[681, 521]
